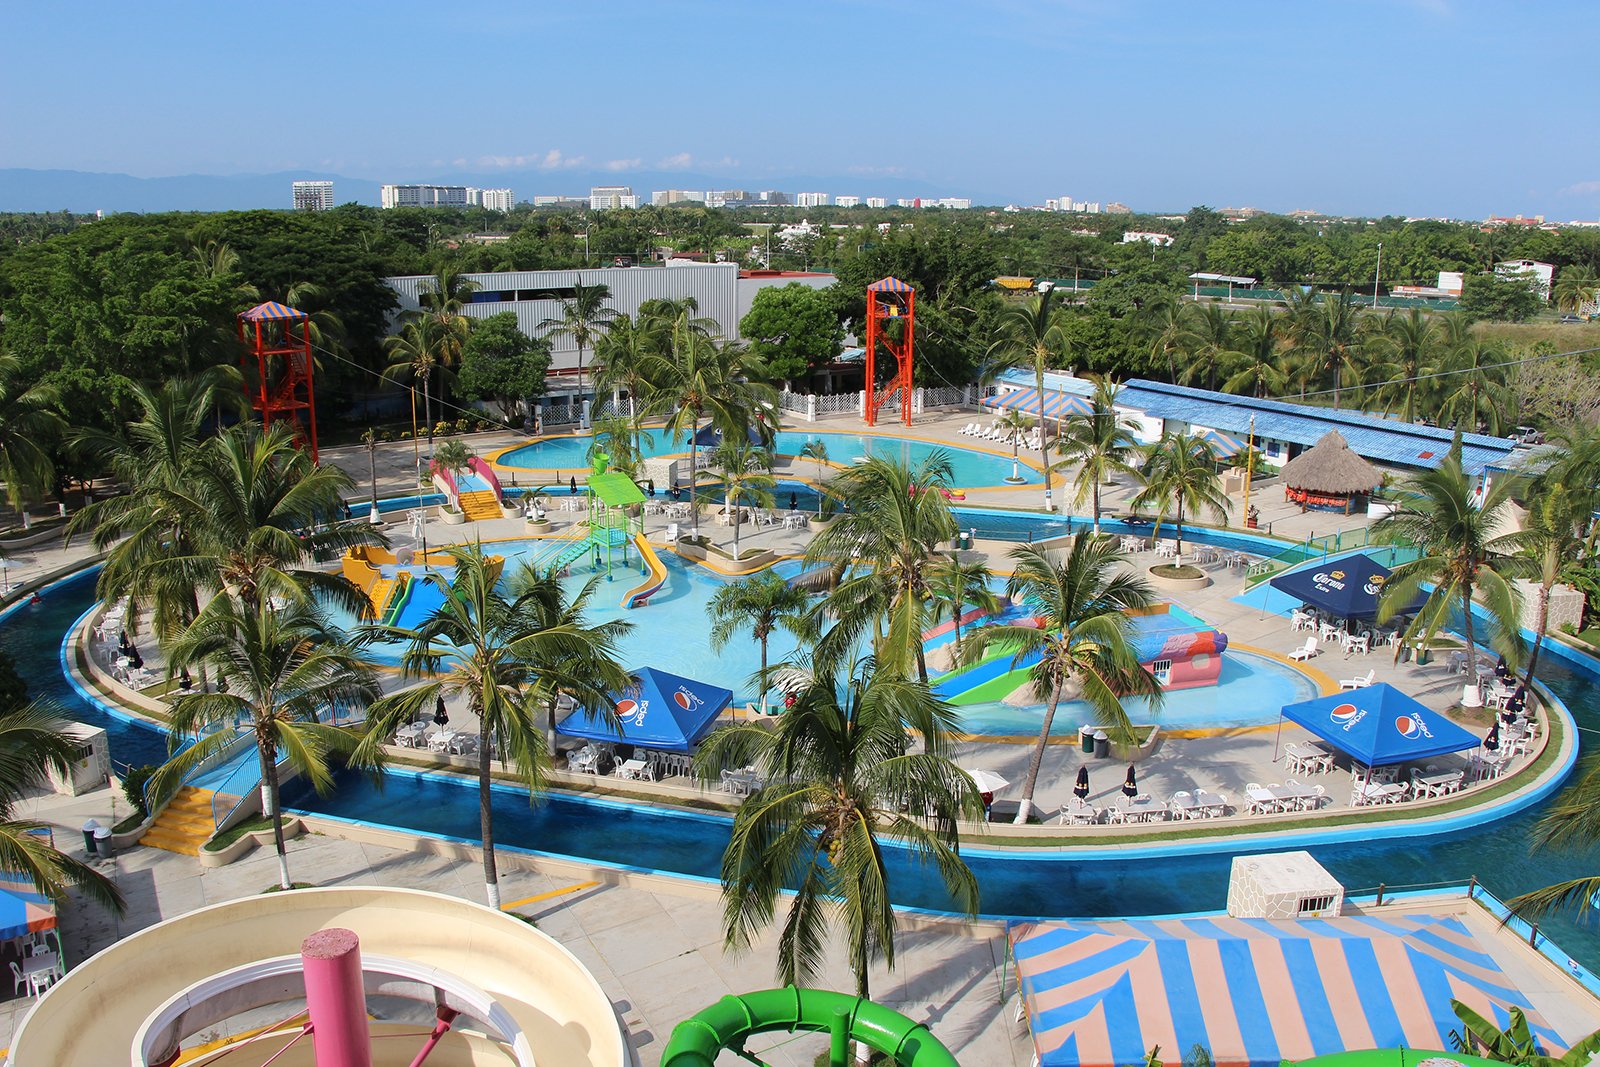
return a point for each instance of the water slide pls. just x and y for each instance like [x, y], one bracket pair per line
[640, 595]
[696, 1041]
[991, 678]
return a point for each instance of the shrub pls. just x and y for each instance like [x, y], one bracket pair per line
[133, 785]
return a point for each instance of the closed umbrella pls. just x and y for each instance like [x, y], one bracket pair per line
[1081, 790]
[123, 644]
[135, 660]
[441, 718]
[986, 781]
[1130, 787]
[1492, 742]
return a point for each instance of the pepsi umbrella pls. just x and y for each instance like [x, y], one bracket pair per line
[1081, 790]
[1347, 587]
[1130, 787]
[1380, 725]
[659, 710]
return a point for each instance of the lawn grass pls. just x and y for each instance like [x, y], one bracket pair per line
[233, 833]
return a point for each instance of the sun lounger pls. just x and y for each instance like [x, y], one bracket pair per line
[1305, 651]
[1358, 683]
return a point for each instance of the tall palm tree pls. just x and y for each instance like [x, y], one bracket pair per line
[1180, 472]
[745, 476]
[1455, 532]
[816, 450]
[507, 656]
[422, 347]
[842, 782]
[1168, 325]
[31, 744]
[895, 520]
[1086, 636]
[621, 353]
[952, 587]
[1408, 346]
[762, 603]
[28, 430]
[1033, 335]
[1576, 287]
[1549, 540]
[701, 378]
[285, 667]
[1213, 331]
[1257, 355]
[1476, 396]
[1015, 425]
[581, 318]
[1101, 443]
[1329, 340]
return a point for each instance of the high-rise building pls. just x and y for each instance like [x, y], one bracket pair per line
[424, 196]
[958, 203]
[811, 200]
[877, 201]
[663, 197]
[846, 201]
[611, 197]
[492, 199]
[313, 196]
[546, 200]
[1114, 208]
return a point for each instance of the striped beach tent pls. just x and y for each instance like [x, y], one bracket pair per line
[272, 311]
[1254, 991]
[23, 909]
[1224, 446]
[1057, 405]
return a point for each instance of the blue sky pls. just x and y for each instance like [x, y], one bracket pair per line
[1426, 108]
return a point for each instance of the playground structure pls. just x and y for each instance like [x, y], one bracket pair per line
[890, 300]
[482, 986]
[726, 1024]
[616, 520]
[1180, 650]
[279, 337]
[476, 492]
[393, 582]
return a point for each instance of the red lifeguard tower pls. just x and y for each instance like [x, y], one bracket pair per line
[279, 336]
[890, 301]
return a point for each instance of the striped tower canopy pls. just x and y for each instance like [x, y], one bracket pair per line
[889, 285]
[23, 909]
[1224, 446]
[1255, 991]
[271, 311]
[1057, 405]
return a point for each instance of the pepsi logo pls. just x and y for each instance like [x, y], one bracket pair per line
[1344, 713]
[682, 699]
[625, 707]
[1409, 726]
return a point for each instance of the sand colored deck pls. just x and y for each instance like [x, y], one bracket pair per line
[91, 1017]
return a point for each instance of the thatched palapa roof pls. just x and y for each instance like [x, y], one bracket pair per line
[1330, 467]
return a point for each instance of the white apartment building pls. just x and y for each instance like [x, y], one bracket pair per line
[491, 199]
[663, 197]
[424, 196]
[1160, 240]
[811, 200]
[611, 197]
[559, 201]
[313, 196]
[1538, 275]
[846, 201]
[877, 201]
[955, 203]
[1086, 207]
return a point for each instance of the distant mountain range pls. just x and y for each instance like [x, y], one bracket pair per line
[85, 191]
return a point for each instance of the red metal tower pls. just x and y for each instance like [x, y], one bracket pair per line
[890, 301]
[280, 338]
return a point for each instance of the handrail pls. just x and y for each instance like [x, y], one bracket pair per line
[486, 472]
[253, 765]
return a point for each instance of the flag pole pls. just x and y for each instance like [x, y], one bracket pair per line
[1249, 465]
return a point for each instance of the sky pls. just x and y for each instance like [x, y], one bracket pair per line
[1408, 107]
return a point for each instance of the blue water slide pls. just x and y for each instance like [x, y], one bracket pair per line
[953, 685]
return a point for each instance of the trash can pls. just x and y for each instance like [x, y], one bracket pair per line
[1102, 744]
[962, 541]
[102, 842]
[1086, 739]
[1422, 655]
[90, 828]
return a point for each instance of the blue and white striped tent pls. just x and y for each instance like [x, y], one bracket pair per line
[1057, 405]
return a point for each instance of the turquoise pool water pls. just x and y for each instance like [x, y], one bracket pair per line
[969, 468]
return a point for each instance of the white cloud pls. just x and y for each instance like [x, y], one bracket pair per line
[622, 164]
[1582, 189]
[681, 161]
[551, 160]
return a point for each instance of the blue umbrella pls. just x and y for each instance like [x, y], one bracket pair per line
[1346, 588]
[1380, 725]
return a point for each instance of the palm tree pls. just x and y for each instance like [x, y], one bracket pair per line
[1213, 333]
[580, 318]
[1032, 335]
[1454, 530]
[1169, 326]
[842, 782]
[285, 667]
[620, 357]
[1551, 538]
[702, 378]
[1180, 472]
[1329, 339]
[895, 520]
[763, 603]
[952, 585]
[1015, 424]
[816, 450]
[1411, 342]
[1101, 443]
[507, 656]
[1086, 636]
[745, 475]
[1256, 354]
[1477, 397]
[1576, 287]
[31, 743]
[28, 429]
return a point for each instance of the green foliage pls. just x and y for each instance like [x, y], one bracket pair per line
[13, 689]
[1489, 296]
[502, 364]
[1516, 1043]
[792, 328]
[133, 787]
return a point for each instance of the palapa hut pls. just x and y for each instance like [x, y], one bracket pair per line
[1329, 477]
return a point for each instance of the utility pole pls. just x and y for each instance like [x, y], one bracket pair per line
[371, 440]
[1376, 273]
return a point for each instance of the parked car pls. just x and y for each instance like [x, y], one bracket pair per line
[1527, 435]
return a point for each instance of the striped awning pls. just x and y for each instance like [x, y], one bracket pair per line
[23, 909]
[271, 311]
[1224, 446]
[1057, 405]
[889, 285]
[1255, 991]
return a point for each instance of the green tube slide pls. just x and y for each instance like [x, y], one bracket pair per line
[696, 1041]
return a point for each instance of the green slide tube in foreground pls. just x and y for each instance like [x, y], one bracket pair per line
[696, 1041]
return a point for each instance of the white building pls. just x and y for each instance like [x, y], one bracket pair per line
[811, 200]
[846, 201]
[1160, 240]
[663, 197]
[955, 203]
[611, 197]
[559, 201]
[492, 199]
[1086, 207]
[1538, 275]
[877, 201]
[313, 196]
[424, 196]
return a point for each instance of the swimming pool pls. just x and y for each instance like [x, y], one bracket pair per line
[969, 468]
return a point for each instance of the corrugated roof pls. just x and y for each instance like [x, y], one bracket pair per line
[1381, 440]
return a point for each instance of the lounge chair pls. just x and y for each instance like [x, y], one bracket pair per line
[1358, 683]
[672, 533]
[1305, 651]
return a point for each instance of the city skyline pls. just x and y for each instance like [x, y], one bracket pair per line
[1155, 106]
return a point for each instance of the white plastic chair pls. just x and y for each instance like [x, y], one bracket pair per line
[18, 979]
[1358, 683]
[672, 533]
[1305, 651]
